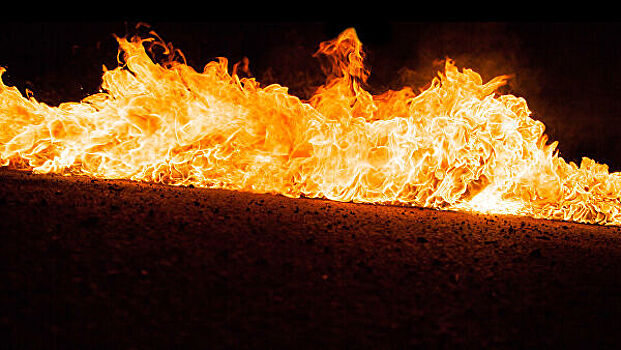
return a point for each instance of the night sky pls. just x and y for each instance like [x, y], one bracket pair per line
[566, 71]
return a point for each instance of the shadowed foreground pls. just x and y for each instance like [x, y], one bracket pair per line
[98, 263]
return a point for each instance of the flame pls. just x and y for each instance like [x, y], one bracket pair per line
[456, 145]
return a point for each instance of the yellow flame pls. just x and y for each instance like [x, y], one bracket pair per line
[456, 145]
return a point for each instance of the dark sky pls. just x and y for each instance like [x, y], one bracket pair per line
[566, 71]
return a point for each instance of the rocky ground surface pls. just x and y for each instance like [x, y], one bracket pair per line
[119, 264]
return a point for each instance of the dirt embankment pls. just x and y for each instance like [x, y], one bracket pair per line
[94, 263]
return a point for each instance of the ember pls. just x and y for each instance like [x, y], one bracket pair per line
[456, 145]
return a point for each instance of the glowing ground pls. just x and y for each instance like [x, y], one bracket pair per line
[119, 264]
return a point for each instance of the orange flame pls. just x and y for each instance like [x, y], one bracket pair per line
[456, 145]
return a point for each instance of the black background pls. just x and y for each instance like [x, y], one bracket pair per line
[122, 264]
[567, 71]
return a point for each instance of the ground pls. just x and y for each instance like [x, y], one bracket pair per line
[120, 264]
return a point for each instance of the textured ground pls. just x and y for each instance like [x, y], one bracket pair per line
[117, 264]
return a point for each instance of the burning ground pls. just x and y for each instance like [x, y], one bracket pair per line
[113, 263]
[457, 144]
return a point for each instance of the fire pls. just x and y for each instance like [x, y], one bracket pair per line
[456, 145]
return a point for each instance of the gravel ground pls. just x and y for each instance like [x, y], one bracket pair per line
[119, 264]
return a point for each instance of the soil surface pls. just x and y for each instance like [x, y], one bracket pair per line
[120, 264]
